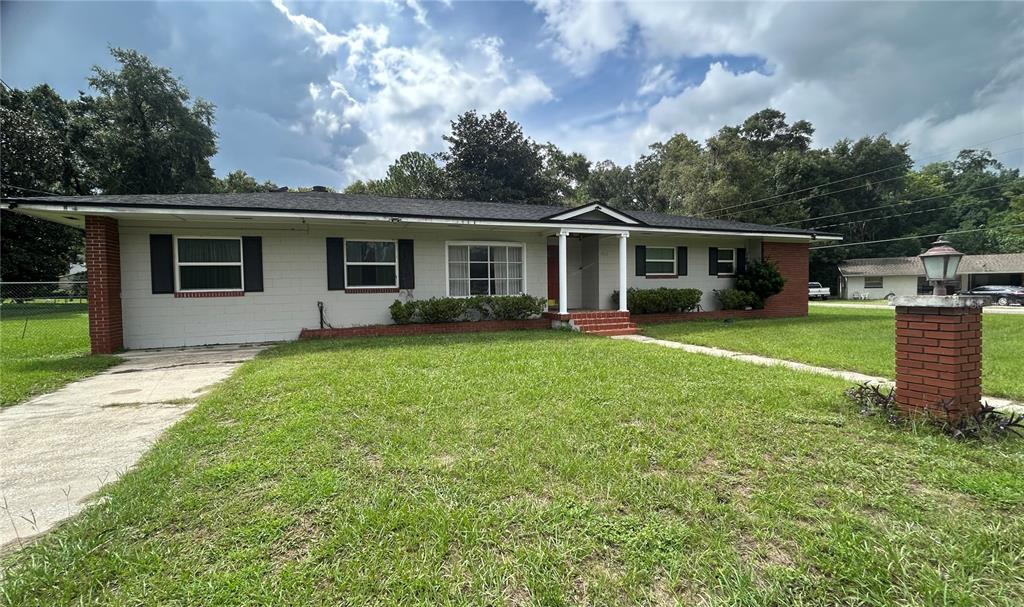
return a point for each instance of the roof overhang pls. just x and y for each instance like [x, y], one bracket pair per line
[73, 214]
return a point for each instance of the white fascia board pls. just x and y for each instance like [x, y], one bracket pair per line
[594, 207]
[178, 213]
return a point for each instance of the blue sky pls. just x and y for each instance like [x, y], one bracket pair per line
[325, 93]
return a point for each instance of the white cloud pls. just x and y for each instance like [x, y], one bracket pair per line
[388, 99]
[940, 75]
[658, 79]
[583, 31]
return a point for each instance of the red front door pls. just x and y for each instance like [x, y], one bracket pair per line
[553, 272]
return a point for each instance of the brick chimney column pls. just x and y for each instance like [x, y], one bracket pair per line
[103, 271]
[938, 355]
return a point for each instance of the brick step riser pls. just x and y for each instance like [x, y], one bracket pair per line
[613, 332]
[605, 325]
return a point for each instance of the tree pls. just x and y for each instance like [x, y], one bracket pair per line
[412, 175]
[489, 159]
[37, 159]
[144, 135]
[241, 182]
[567, 174]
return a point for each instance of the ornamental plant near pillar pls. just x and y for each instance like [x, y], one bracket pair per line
[762, 278]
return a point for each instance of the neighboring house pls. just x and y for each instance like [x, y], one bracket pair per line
[174, 270]
[883, 276]
[74, 280]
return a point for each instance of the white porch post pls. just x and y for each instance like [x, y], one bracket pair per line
[622, 271]
[563, 277]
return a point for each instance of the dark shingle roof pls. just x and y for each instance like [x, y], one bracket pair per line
[326, 202]
[1002, 263]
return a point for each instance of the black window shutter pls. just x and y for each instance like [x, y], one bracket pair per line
[741, 260]
[406, 266]
[681, 261]
[252, 262]
[161, 263]
[335, 264]
[713, 261]
[641, 260]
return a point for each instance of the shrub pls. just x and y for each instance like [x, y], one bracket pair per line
[516, 307]
[402, 312]
[441, 309]
[762, 278]
[659, 301]
[735, 299]
[478, 307]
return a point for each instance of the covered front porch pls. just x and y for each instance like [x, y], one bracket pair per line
[585, 266]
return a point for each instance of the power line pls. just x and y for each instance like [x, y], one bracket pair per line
[29, 189]
[888, 206]
[895, 166]
[846, 223]
[853, 244]
[769, 206]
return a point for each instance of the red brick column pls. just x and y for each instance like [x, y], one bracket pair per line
[103, 271]
[793, 260]
[938, 359]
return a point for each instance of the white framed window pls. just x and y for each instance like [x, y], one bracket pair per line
[874, 282]
[661, 261]
[371, 264]
[726, 262]
[485, 268]
[208, 263]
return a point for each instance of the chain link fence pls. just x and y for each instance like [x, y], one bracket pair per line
[36, 315]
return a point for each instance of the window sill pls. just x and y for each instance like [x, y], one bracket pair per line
[356, 290]
[658, 276]
[193, 294]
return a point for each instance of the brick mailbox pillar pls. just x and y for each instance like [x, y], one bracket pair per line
[938, 355]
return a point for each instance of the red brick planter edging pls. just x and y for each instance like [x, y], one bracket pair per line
[427, 329]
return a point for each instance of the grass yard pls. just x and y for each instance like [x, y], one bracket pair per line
[853, 339]
[537, 468]
[43, 347]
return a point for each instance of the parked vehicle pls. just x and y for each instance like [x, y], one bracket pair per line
[1002, 295]
[816, 291]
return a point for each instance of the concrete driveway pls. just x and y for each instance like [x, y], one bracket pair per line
[59, 449]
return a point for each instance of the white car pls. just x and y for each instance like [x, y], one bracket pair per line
[816, 291]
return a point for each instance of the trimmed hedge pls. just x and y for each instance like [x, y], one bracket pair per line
[659, 301]
[478, 307]
[735, 299]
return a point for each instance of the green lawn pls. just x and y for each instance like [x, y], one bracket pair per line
[43, 347]
[853, 339]
[862, 302]
[537, 467]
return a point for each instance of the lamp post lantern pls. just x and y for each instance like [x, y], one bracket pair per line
[940, 265]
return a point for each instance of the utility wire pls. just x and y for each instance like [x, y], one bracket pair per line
[853, 244]
[895, 166]
[14, 187]
[889, 206]
[865, 185]
[846, 223]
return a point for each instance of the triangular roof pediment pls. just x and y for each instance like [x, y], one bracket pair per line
[596, 213]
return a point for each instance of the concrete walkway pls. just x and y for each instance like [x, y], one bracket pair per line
[850, 376]
[59, 449]
[885, 306]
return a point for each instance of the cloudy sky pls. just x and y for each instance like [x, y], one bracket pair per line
[324, 93]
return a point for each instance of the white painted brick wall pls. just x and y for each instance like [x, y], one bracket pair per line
[294, 280]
